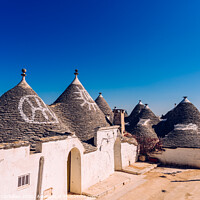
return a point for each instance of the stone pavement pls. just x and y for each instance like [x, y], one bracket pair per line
[115, 181]
[112, 187]
[139, 168]
[79, 197]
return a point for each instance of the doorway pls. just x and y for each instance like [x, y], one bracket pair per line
[74, 171]
[117, 155]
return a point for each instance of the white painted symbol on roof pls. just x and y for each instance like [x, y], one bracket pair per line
[87, 99]
[41, 106]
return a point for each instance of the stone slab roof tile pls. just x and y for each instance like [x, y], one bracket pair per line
[24, 116]
[76, 107]
[105, 108]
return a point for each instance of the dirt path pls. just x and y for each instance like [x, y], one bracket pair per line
[167, 184]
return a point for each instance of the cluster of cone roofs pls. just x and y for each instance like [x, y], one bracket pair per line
[177, 128]
[24, 116]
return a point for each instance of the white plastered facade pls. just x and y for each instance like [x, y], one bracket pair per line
[88, 169]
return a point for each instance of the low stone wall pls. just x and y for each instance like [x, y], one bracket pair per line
[179, 156]
[128, 154]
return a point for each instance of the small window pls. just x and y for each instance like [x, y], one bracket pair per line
[23, 180]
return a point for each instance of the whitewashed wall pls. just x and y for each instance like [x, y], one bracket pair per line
[18, 161]
[128, 154]
[179, 156]
[99, 165]
[94, 167]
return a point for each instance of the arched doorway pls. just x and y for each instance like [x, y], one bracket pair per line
[117, 154]
[74, 171]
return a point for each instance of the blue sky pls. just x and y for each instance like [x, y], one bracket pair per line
[128, 50]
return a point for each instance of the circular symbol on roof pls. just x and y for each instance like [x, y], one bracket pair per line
[34, 110]
[87, 100]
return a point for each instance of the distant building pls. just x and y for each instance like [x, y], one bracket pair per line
[133, 117]
[105, 108]
[182, 136]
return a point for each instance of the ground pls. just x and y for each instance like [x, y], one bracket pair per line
[161, 183]
[167, 184]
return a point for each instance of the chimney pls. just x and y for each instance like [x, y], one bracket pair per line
[119, 119]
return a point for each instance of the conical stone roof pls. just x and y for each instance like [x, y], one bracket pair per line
[77, 106]
[144, 129]
[182, 126]
[168, 113]
[183, 136]
[134, 114]
[105, 108]
[144, 113]
[24, 116]
[184, 113]
[145, 135]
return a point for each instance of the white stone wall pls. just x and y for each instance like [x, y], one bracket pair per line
[94, 167]
[179, 156]
[128, 154]
[99, 165]
[18, 161]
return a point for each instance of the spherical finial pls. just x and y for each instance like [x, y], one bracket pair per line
[100, 93]
[140, 101]
[23, 72]
[146, 104]
[185, 97]
[76, 72]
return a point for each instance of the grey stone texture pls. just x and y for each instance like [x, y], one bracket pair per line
[105, 108]
[79, 112]
[13, 125]
[184, 113]
[133, 117]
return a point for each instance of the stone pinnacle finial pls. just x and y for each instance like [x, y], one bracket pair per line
[76, 72]
[140, 102]
[100, 94]
[23, 73]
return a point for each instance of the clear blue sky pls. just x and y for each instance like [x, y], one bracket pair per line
[128, 50]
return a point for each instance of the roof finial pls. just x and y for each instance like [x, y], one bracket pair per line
[23, 82]
[185, 100]
[23, 73]
[100, 94]
[76, 81]
[76, 72]
[140, 102]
